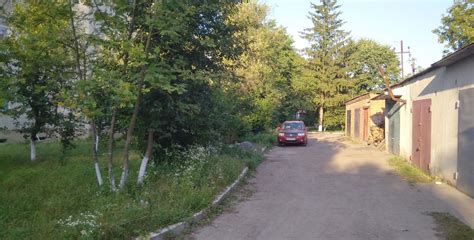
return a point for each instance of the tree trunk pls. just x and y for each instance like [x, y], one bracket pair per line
[76, 43]
[321, 118]
[97, 173]
[110, 149]
[125, 59]
[144, 163]
[136, 109]
[94, 154]
[82, 76]
[97, 142]
[32, 148]
[128, 140]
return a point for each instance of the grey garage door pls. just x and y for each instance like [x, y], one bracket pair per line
[393, 114]
[348, 123]
[357, 123]
[466, 141]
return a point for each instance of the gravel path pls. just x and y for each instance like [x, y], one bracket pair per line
[331, 190]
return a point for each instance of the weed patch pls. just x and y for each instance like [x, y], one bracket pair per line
[55, 199]
[408, 171]
[451, 228]
[266, 139]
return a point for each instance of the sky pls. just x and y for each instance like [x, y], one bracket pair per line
[386, 21]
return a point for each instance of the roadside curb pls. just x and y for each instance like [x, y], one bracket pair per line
[178, 228]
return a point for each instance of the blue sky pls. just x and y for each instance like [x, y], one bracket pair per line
[386, 21]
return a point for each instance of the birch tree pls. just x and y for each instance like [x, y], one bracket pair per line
[82, 53]
[126, 42]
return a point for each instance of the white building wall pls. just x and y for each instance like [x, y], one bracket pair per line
[442, 86]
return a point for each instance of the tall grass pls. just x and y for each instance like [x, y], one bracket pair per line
[54, 199]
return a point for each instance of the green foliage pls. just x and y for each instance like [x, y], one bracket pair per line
[457, 28]
[338, 68]
[326, 74]
[45, 200]
[195, 106]
[334, 118]
[36, 64]
[267, 139]
[267, 67]
[365, 58]
[409, 172]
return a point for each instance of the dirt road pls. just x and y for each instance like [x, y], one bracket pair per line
[330, 190]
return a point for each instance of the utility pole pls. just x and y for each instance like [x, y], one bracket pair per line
[412, 60]
[401, 56]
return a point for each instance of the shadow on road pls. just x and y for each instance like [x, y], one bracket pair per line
[333, 190]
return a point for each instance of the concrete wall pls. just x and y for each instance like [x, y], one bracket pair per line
[8, 123]
[442, 86]
[376, 110]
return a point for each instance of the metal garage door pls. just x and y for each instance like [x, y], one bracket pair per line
[365, 133]
[466, 141]
[348, 123]
[357, 123]
[421, 135]
[393, 115]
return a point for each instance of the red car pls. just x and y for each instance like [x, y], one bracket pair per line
[292, 132]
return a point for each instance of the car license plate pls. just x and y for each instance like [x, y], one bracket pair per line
[291, 139]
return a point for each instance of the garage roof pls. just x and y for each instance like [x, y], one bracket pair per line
[448, 60]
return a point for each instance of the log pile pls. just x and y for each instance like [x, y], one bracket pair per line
[376, 136]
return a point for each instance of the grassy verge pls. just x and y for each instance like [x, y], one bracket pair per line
[451, 228]
[242, 192]
[267, 139]
[408, 171]
[57, 199]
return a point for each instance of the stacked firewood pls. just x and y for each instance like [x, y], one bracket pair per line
[376, 136]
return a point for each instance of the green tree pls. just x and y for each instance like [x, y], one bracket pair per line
[266, 68]
[326, 77]
[37, 67]
[364, 60]
[457, 26]
[122, 47]
[170, 55]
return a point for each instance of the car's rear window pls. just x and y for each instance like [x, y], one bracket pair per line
[293, 126]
